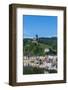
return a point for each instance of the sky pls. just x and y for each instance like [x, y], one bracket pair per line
[43, 26]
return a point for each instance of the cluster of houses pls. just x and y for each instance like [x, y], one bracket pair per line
[48, 62]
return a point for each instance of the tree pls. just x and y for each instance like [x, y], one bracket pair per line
[36, 37]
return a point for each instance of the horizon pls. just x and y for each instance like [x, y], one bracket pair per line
[43, 26]
[38, 37]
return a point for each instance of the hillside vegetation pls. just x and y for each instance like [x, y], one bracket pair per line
[37, 47]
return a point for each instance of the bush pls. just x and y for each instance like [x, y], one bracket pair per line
[32, 70]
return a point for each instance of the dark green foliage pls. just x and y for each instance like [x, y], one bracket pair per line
[35, 70]
[32, 70]
[52, 71]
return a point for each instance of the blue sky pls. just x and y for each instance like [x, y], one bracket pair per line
[43, 26]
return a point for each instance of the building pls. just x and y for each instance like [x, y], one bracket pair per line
[46, 50]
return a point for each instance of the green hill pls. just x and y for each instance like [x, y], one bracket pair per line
[35, 48]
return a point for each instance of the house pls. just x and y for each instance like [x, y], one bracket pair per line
[46, 50]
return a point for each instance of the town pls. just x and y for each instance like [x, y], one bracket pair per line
[48, 63]
[39, 58]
